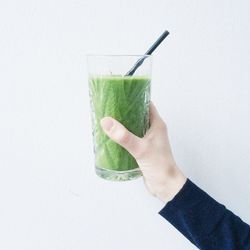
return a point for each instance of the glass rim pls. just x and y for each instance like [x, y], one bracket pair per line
[117, 55]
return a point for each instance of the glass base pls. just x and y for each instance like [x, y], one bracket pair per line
[113, 175]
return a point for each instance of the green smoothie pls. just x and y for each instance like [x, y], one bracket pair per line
[125, 98]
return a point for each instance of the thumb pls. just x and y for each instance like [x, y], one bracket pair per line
[118, 133]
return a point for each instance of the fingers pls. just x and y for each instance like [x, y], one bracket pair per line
[118, 133]
[155, 119]
[135, 145]
[153, 113]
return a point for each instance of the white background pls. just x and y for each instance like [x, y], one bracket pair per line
[50, 197]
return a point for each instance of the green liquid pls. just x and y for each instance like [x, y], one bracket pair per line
[125, 98]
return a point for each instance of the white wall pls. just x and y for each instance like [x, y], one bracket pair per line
[50, 197]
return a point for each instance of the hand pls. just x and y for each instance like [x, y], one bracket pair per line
[162, 177]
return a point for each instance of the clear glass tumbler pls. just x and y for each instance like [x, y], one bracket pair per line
[124, 97]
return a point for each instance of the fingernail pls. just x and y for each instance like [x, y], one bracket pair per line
[106, 123]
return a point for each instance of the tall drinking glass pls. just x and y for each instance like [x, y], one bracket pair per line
[124, 97]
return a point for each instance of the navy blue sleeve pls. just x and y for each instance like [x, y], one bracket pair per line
[205, 222]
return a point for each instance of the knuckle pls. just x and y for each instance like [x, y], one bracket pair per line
[164, 125]
[123, 137]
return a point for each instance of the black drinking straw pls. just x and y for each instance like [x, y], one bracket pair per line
[149, 52]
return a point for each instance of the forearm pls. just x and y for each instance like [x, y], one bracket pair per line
[204, 221]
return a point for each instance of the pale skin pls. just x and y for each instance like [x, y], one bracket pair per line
[162, 176]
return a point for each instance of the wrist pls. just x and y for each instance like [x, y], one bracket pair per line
[173, 182]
